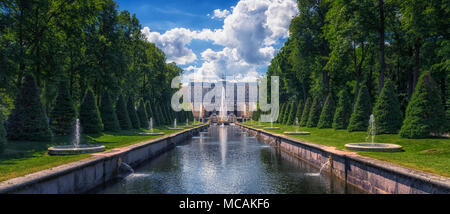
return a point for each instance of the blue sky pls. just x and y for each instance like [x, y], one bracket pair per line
[208, 38]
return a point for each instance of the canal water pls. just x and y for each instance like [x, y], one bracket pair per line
[226, 160]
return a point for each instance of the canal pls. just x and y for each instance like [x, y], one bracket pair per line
[225, 160]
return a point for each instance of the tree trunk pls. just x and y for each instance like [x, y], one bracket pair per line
[381, 43]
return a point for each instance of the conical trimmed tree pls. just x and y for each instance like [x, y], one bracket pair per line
[28, 120]
[108, 113]
[122, 114]
[314, 113]
[305, 113]
[326, 116]
[2, 135]
[132, 113]
[142, 115]
[281, 114]
[63, 115]
[447, 102]
[343, 111]
[425, 112]
[149, 110]
[292, 113]
[90, 120]
[359, 120]
[387, 113]
[299, 111]
[286, 113]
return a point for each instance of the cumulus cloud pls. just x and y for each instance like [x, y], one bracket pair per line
[220, 14]
[249, 32]
[173, 43]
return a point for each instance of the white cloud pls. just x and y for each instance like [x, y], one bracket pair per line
[248, 35]
[173, 43]
[220, 14]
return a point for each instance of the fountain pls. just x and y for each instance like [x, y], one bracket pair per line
[223, 119]
[296, 129]
[76, 147]
[174, 125]
[320, 171]
[372, 146]
[150, 127]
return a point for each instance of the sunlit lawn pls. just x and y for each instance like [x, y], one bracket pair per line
[430, 155]
[22, 157]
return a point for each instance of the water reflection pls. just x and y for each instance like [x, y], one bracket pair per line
[225, 160]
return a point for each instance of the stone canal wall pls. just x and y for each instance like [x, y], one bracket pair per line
[85, 175]
[373, 176]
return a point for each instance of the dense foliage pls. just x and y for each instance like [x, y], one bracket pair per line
[28, 120]
[88, 44]
[425, 113]
[90, 119]
[388, 117]
[63, 115]
[336, 44]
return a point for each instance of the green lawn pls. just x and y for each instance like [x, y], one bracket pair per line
[430, 155]
[21, 157]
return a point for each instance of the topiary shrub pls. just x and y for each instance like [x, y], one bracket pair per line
[343, 111]
[326, 116]
[359, 120]
[425, 112]
[63, 115]
[293, 111]
[299, 111]
[108, 113]
[281, 113]
[90, 119]
[314, 112]
[305, 113]
[2, 135]
[122, 114]
[447, 102]
[142, 115]
[132, 113]
[387, 113]
[28, 120]
[286, 113]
